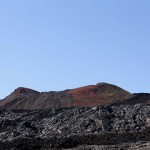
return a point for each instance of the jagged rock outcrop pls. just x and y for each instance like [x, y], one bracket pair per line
[87, 96]
[103, 127]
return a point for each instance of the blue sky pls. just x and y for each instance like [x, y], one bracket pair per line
[59, 44]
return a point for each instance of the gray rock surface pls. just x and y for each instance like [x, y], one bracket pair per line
[124, 146]
[77, 128]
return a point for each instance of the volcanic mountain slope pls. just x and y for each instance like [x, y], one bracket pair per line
[20, 98]
[87, 96]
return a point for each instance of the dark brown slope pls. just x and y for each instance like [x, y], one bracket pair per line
[87, 96]
[21, 98]
[139, 98]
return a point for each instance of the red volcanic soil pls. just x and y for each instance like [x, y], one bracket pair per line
[86, 96]
[99, 94]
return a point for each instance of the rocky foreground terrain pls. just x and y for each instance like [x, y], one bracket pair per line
[94, 117]
[102, 127]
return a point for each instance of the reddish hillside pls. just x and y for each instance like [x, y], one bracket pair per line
[99, 94]
[87, 96]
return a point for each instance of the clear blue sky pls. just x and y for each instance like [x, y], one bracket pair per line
[59, 44]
